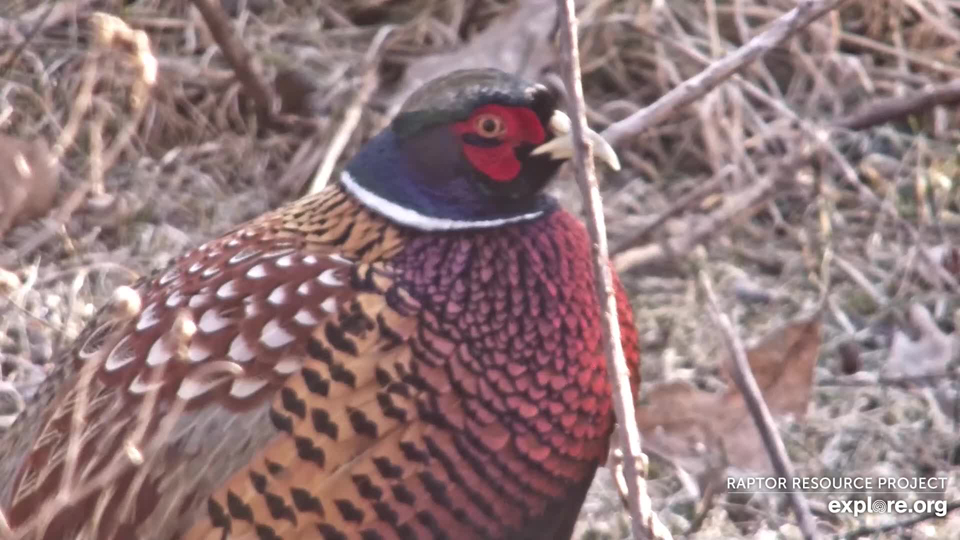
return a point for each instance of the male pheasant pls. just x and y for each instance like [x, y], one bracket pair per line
[414, 352]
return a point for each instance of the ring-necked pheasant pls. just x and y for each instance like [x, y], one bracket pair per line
[414, 352]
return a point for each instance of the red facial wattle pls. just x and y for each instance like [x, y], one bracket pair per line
[499, 162]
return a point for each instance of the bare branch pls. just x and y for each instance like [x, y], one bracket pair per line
[747, 384]
[351, 118]
[645, 522]
[736, 207]
[890, 109]
[696, 87]
[653, 255]
[930, 379]
[239, 58]
[714, 185]
[37, 26]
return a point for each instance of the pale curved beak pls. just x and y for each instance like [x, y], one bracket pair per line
[561, 146]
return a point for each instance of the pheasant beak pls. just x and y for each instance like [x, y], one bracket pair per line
[561, 146]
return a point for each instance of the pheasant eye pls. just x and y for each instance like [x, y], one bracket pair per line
[489, 125]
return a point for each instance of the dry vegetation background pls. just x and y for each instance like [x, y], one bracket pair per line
[796, 213]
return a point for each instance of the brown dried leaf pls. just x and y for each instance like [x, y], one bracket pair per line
[700, 430]
[782, 363]
[674, 428]
[28, 181]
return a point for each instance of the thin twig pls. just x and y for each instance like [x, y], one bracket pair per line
[26, 41]
[747, 384]
[861, 280]
[695, 195]
[929, 379]
[351, 118]
[645, 522]
[734, 208]
[239, 59]
[890, 109]
[26, 312]
[697, 86]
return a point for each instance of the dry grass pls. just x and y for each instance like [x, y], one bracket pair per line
[869, 204]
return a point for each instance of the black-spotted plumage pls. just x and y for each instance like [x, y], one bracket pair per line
[411, 353]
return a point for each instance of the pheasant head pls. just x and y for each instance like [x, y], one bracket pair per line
[472, 149]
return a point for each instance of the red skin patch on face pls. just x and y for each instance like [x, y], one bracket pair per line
[500, 163]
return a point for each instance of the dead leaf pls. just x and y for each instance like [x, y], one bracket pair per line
[28, 181]
[782, 363]
[701, 430]
[517, 43]
[929, 354]
[672, 430]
